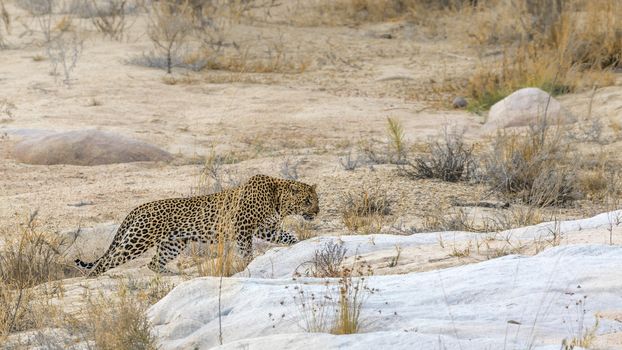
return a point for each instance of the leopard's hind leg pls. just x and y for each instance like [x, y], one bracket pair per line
[130, 241]
[167, 250]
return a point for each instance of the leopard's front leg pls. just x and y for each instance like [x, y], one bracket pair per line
[273, 233]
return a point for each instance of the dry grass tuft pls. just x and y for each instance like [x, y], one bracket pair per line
[119, 322]
[327, 313]
[444, 219]
[517, 216]
[352, 295]
[353, 12]
[366, 210]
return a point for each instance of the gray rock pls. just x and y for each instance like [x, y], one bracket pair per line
[87, 243]
[85, 147]
[526, 107]
[459, 102]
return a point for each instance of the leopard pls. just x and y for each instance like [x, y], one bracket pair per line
[253, 209]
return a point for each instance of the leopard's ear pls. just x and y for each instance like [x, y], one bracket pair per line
[314, 187]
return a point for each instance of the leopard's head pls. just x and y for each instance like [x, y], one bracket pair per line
[300, 199]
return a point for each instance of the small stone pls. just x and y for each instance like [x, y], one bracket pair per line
[386, 36]
[459, 102]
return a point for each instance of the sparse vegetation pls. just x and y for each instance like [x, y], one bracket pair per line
[255, 80]
[42, 11]
[445, 219]
[517, 216]
[395, 260]
[352, 295]
[220, 258]
[304, 229]
[460, 252]
[583, 336]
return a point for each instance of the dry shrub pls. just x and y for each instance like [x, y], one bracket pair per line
[600, 178]
[218, 49]
[374, 151]
[169, 25]
[365, 211]
[5, 18]
[110, 18]
[450, 159]
[275, 61]
[27, 259]
[327, 260]
[556, 46]
[348, 162]
[215, 176]
[536, 166]
[198, 35]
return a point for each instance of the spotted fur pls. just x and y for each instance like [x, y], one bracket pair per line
[254, 209]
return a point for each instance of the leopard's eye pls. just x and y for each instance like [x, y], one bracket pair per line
[308, 201]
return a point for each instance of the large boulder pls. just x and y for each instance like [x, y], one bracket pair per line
[526, 107]
[85, 147]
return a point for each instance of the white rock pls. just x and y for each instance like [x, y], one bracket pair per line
[526, 107]
[284, 262]
[513, 302]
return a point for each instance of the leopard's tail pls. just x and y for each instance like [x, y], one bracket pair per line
[84, 265]
[115, 241]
